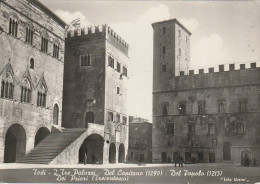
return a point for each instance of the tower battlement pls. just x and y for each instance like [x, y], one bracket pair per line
[93, 33]
[221, 68]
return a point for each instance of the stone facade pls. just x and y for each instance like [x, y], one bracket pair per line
[25, 71]
[140, 141]
[95, 87]
[206, 117]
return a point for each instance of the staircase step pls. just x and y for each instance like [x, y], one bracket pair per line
[50, 147]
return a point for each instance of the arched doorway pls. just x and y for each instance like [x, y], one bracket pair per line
[112, 153]
[40, 135]
[246, 158]
[227, 151]
[15, 143]
[121, 154]
[89, 118]
[93, 147]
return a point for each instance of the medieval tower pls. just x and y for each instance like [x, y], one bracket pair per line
[95, 92]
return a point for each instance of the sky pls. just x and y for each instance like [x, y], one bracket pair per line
[222, 32]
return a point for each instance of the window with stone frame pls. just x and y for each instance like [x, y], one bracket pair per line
[85, 60]
[31, 63]
[111, 62]
[118, 118]
[163, 68]
[182, 107]
[163, 50]
[110, 116]
[26, 91]
[164, 110]
[191, 128]
[29, 36]
[7, 86]
[164, 30]
[44, 44]
[89, 106]
[170, 128]
[118, 67]
[201, 107]
[221, 107]
[55, 114]
[243, 106]
[41, 96]
[13, 27]
[124, 71]
[240, 128]
[211, 129]
[56, 51]
[214, 143]
[124, 120]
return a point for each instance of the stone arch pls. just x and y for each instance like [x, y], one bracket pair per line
[15, 143]
[41, 134]
[227, 151]
[121, 153]
[112, 153]
[91, 150]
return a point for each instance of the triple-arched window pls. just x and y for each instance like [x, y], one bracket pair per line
[13, 27]
[7, 86]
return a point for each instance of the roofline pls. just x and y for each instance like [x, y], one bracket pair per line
[174, 21]
[48, 11]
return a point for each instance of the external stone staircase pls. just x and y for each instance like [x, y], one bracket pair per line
[50, 147]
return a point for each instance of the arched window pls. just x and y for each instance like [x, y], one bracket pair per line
[32, 63]
[240, 128]
[182, 108]
[7, 86]
[165, 111]
[26, 91]
[29, 36]
[55, 114]
[41, 96]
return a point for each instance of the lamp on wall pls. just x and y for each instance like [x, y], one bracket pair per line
[1, 30]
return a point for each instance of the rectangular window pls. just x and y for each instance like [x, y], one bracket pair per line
[191, 128]
[85, 60]
[44, 45]
[118, 118]
[221, 107]
[163, 50]
[124, 120]
[211, 129]
[118, 68]
[118, 90]
[164, 30]
[56, 50]
[110, 61]
[242, 106]
[163, 68]
[29, 36]
[240, 128]
[124, 71]
[170, 128]
[201, 107]
[110, 116]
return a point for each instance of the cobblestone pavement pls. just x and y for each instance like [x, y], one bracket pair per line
[130, 173]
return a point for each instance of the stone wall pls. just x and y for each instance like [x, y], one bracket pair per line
[15, 55]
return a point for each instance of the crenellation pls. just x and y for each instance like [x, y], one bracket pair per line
[221, 68]
[95, 32]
